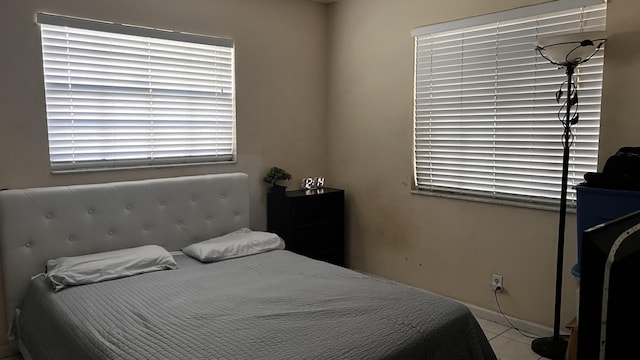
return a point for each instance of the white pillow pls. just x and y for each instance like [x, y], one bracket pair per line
[241, 242]
[93, 268]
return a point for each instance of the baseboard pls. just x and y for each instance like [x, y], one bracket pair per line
[496, 317]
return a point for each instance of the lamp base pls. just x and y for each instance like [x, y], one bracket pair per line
[554, 348]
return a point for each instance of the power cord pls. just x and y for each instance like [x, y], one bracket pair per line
[495, 294]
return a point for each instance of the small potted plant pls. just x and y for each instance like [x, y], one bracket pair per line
[274, 175]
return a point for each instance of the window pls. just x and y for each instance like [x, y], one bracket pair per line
[124, 96]
[486, 119]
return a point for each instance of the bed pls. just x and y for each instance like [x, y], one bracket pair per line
[266, 304]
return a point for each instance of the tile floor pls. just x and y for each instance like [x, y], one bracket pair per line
[508, 343]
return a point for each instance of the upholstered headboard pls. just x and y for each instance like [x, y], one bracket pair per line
[43, 223]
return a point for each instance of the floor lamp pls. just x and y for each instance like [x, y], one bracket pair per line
[567, 51]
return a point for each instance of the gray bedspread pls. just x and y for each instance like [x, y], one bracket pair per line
[275, 305]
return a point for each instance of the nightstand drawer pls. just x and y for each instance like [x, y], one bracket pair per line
[314, 239]
[311, 223]
[317, 209]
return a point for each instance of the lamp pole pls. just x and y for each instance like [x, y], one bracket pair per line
[555, 347]
[567, 50]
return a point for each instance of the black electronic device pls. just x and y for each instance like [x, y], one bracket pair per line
[609, 309]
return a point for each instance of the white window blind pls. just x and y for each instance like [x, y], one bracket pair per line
[126, 96]
[486, 118]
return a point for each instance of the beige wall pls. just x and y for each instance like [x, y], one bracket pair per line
[361, 141]
[280, 79]
[448, 246]
[281, 86]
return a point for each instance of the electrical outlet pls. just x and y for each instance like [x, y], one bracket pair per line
[496, 283]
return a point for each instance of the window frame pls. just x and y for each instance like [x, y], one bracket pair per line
[206, 118]
[479, 22]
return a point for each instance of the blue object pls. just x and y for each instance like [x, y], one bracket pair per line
[596, 206]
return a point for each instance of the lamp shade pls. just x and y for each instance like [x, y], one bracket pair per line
[570, 49]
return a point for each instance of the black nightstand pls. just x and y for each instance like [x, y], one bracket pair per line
[311, 222]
